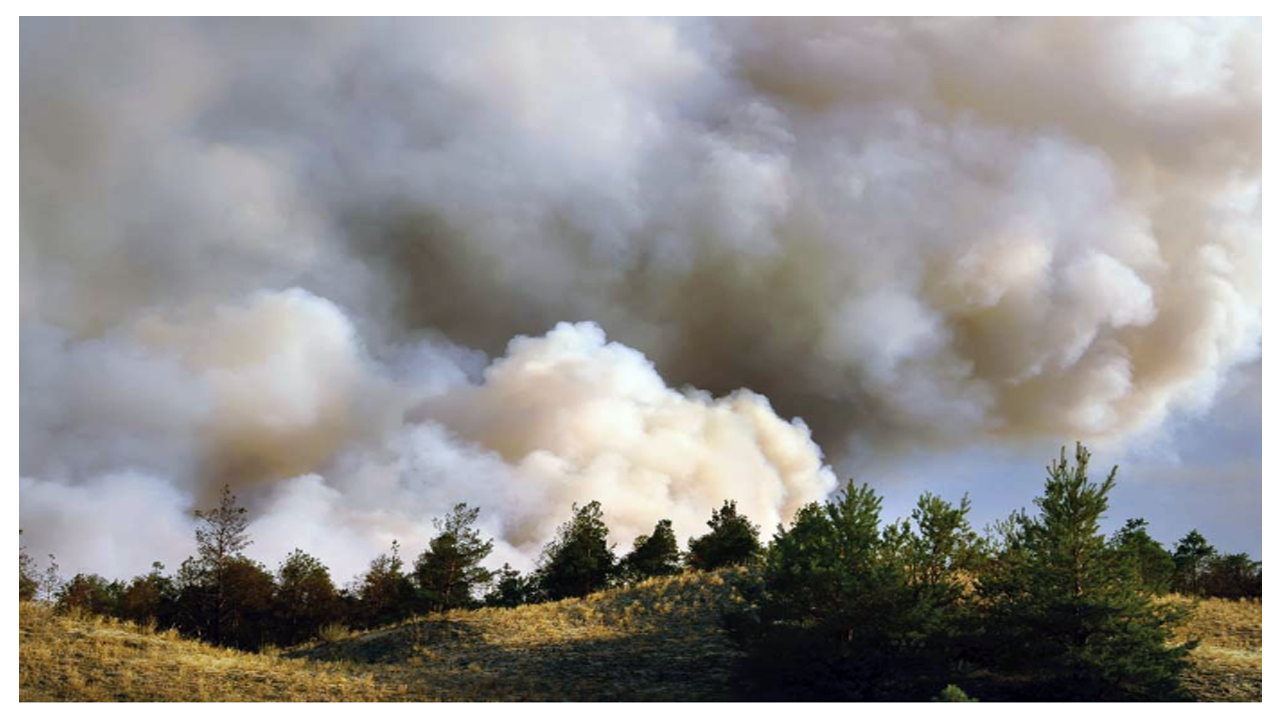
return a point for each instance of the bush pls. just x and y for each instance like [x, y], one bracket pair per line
[951, 693]
[333, 632]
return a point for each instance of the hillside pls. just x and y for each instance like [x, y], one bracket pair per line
[659, 640]
[86, 659]
[1227, 667]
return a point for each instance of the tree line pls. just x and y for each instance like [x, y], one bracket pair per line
[224, 597]
[840, 606]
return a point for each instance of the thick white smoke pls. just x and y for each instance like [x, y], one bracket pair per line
[292, 256]
[342, 453]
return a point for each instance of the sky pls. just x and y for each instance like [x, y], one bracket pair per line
[1201, 471]
[362, 270]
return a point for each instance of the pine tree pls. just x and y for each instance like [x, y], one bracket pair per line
[941, 547]
[510, 589]
[306, 599]
[851, 611]
[733, 540]
[50, 584]
[207, 578]
[1233, 576]
[1153, 564]
[249, 607]
[448, 572]
[579, 561]
[1070, 615]
[150, 598]
[1191, 557]
[653, 555]
[384, 594]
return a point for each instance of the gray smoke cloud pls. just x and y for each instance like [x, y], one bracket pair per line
[365, 269]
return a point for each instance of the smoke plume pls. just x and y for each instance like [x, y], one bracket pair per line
[364, 270]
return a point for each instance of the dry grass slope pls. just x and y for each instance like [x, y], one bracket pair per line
[85, 659]
[1227, 667]
[660, 640]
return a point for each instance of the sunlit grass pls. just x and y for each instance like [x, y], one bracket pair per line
[659, 640]
[1228, 664]
[82, 658]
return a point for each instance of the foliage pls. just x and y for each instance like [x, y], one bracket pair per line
[838, 607]
[221, 594]
[657, 640]
[306, 599]
[511, 589]
[28, 574]
[149, 599]
[384, 593]
[1069, 615]
[951, 693]
[448, 572]
[653, 555]
[579, 560]
[90, 593]
[1191, 558]
[232, 605]
[333, 632]
[1232, 576]
[848, 612]
[733, 540]
[1148, 559]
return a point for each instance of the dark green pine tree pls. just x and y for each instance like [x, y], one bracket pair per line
[384, 593]
[510, 589]
[850, 611]
[1066, 613]
[150, 598]
[1153, 564]
[1233, 576]
[207, 583]
[1191, 558]
[653, 555]
[306, 599]
[579, 561]
[448, 573]
[733, 540]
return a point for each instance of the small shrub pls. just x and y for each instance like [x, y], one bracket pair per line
[951, 693]
[334, 632]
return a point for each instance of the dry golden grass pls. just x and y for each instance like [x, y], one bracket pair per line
[659, 640]
[1227, 666]
[85, 659]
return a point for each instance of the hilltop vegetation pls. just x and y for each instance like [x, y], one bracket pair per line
[839, 605]
[659, 640]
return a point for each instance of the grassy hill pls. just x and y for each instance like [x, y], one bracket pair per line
[89, 658]
[1227, 667]
[659, 640]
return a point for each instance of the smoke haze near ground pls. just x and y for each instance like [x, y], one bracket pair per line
[363, 270]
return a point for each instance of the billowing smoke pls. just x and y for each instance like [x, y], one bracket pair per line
[363, 270]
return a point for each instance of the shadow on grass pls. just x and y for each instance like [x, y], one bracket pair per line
[459, 661]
